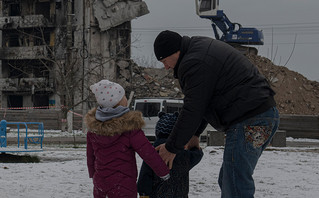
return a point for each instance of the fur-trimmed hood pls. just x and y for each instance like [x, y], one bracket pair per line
[129, 121]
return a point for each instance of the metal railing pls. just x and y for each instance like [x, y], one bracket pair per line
[33, 138]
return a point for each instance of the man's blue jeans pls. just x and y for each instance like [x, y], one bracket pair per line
[245, 142]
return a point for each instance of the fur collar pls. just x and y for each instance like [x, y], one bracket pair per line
[131, 120]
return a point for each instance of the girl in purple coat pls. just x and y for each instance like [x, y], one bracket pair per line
[114, 135]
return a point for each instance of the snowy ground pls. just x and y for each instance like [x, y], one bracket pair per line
[290, 172]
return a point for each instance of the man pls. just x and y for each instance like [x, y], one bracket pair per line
[222, 88]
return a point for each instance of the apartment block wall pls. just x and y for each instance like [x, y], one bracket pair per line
[34, 51]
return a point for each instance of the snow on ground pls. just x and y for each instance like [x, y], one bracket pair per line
[290, 172]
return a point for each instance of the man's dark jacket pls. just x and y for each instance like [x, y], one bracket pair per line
[221, 87]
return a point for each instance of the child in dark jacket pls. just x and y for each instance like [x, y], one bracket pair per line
[114, 135]
[150, 185]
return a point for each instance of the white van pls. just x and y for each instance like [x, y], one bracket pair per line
[150, 107]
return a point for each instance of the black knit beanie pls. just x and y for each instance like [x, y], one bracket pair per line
[165, 124]
[166, 44]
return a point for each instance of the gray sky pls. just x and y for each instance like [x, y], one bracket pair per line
[280, 20]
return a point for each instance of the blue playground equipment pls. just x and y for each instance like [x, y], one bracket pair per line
[22, 132]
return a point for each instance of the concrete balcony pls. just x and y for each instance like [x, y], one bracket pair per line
[18, 53]
[29, 21]
[26, 85]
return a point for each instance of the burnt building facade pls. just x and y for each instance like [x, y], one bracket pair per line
[52, 50]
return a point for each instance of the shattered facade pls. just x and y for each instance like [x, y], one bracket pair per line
[52, 50]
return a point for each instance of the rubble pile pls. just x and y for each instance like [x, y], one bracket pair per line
[153, 82]
[295, 94]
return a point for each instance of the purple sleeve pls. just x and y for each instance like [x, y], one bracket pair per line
[148, 153]
[90, 155]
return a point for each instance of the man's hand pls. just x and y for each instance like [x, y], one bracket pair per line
[193, 142]
[167, 156]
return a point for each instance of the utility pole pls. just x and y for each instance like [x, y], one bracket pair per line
[69, 67]
[85, 57]
[69, 27]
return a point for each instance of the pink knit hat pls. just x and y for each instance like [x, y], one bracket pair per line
[107, 93]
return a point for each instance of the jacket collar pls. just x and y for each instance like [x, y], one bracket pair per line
[183, 50]
[131, 120]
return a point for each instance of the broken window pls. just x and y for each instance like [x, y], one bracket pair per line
[13, 40]
[27, 37]
[15, 101]
[15, 9]
[43, 8]
[28, 68]
[41, 100]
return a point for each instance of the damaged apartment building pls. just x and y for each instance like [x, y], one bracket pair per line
[52, 50]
